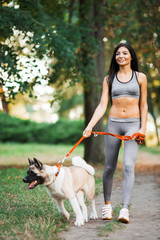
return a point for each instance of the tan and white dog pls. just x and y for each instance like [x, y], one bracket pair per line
[69, 183]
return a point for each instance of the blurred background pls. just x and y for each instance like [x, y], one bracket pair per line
[54, 56]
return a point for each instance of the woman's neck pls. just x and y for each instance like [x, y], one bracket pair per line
[124, 69]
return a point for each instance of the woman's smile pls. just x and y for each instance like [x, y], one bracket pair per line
[123, 56]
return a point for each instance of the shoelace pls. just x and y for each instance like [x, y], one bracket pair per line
[106, 209]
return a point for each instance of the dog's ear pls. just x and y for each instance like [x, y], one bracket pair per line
[38, 164]
[31, 162]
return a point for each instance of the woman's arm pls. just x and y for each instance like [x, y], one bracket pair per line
[143, 102]
[100, 110]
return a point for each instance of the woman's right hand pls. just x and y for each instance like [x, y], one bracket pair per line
[87, 132]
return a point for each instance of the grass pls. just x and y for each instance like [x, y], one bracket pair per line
[112, 225]
[33, 214]
[13, 154]
[27, 214]
[153, 150]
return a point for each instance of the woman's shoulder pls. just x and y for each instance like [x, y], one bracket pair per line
[106, 79]
[141, 77]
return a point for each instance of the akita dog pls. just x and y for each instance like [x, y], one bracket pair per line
[69, 183]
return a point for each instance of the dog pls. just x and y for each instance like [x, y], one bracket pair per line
[70, 183]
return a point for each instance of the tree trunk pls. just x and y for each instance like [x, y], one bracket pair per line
[151, 110]
[4, 103]
[92, 11]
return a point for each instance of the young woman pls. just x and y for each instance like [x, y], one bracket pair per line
[128, 114]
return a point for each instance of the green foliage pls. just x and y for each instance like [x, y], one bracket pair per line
[57, 29]
[67, 103]
[137, 22]
[17, 130]
[43, 27]
[24, 213]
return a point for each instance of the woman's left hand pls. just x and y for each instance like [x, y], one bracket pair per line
[142, 131]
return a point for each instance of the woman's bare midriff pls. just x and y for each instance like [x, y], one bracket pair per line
[125, 107]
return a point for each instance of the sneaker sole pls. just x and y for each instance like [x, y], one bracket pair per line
[108, 218]
[123, 220]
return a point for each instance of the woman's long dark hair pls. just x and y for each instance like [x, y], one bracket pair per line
[114, 67]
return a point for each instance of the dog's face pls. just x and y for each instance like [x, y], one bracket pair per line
[35, 174]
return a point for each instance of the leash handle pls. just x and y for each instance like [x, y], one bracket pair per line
[139, 137]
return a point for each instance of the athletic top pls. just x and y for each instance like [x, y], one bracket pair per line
[125, 89]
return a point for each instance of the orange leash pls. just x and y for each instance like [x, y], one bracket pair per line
[139, 137]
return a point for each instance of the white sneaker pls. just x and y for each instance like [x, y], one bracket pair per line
[107, 212]
[124, 215]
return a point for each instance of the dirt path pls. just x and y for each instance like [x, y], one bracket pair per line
[144, 213]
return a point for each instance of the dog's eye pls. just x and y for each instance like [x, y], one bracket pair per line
[30, 172]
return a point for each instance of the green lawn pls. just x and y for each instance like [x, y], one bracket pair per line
[26, 214]
[17, 154]
[14, 154]
[153, 150]
[33, 214]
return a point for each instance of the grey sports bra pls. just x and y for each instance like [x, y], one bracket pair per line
[127, 89]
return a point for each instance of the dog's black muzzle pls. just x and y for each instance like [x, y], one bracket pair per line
[25, 180]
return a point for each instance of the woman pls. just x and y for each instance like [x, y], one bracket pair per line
[128, 114]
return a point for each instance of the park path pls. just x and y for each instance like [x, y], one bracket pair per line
[144, 212]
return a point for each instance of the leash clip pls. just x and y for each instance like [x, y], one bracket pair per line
[62, 161]
[95, 134]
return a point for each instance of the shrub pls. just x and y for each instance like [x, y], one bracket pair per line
[17, 130]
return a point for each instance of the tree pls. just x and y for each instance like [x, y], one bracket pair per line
[4, 104]
[32, 25]
[71, 34]
[91, 16]
[53, 36]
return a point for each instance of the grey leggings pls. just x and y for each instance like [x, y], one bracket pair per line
[120, 126]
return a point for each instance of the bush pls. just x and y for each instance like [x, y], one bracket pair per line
[16, 130]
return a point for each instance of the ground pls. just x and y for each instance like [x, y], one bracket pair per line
[144, 210]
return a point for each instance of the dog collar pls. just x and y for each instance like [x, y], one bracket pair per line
[57, 173]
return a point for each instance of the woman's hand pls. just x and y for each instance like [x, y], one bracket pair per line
[142, 131]
[87, 132]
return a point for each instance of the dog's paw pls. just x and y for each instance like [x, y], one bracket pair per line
[67, 215]
[79, 222]
[85, 216]
[86, 219]
[93, 216]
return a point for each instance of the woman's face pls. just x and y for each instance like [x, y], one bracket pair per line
[123, 56]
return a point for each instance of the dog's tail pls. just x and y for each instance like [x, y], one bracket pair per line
[79, 162]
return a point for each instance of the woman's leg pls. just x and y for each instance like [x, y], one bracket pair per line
[112, 145]
[130, 154]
